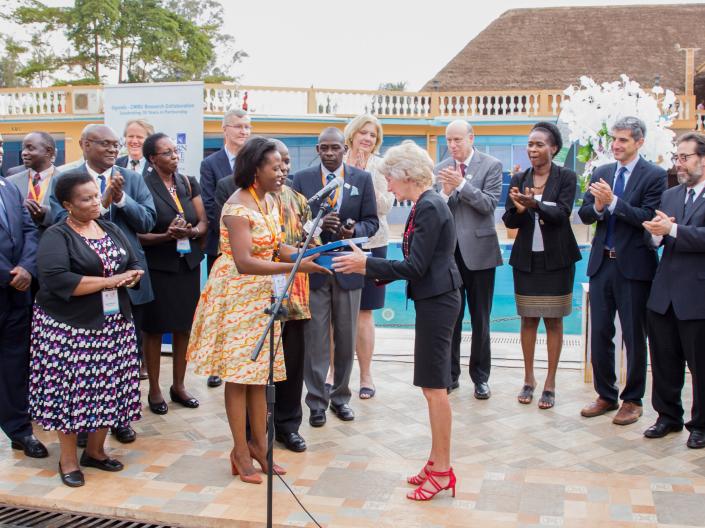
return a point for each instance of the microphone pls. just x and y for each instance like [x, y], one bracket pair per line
[326, 191]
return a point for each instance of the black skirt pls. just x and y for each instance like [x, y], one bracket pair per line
[175, 299]
[372, 297]
[435, 322]
[543, 293]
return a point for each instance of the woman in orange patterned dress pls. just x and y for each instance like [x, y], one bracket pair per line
[230, 316]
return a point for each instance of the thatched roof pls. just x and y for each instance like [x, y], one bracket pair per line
[551, 48]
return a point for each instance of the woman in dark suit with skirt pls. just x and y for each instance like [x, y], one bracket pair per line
[544, 253]
[432, 282]
[174, 255]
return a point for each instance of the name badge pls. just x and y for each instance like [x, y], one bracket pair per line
[183, 246]
[309, 225]
[111, 303]
[279, 285]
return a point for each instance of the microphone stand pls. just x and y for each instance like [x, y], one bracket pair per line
[277, 312]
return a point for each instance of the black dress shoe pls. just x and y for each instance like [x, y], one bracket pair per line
[158, 408]
[31, 446]
[82, 439]
[74, 479]
[696, 440]
[344, 412]
[214, 381]
[482, 391]
[107, 464]
[317, 418]
[661, 429]
[124, 434]
[453, 386]
[191, 403]
[292, 441]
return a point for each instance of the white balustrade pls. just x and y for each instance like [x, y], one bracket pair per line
[33, 102]
[333, 102]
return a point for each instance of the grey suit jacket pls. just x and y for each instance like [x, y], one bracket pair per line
[473, 210]
[21, 179]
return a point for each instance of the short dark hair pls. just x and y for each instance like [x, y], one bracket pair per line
[149, 147]
[68, 181]
[47, 139]
[698, 139]
[636, 126]
[252, 156]
[553, 133]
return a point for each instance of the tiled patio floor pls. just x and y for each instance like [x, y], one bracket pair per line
[517, 466]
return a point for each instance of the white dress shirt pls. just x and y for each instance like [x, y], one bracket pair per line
[140, 165]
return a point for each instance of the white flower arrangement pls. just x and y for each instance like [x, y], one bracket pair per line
[592, 109]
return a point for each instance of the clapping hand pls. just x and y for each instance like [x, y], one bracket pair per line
[661, 224]
[449, 178]
[117, 182]
[178, 228]
[602, 192]
[354, 261]
[523, 201]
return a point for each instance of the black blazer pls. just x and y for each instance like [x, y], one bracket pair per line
[680, 276]
[164, 256]
[430, 268]
[560, 247]
[361, 207]
[213, 168]
[223, 190]
[63, 259]
[636, 260]
[18, 246]
[123, 161]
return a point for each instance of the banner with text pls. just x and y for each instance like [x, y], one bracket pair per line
[173, 108]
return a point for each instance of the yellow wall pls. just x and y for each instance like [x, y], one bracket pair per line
[71, 131]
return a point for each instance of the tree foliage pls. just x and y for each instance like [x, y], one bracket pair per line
[140, 40]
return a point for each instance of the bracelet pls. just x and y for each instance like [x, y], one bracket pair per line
[198, 232]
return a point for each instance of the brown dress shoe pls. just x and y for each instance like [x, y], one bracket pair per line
[628, 413]
[598, 407]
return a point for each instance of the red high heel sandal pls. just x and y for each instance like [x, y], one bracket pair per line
[249, 479]
[423, 494]
[416, 480]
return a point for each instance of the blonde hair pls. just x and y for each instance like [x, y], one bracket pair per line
[354, 126]
[146, 125]
[408, 162]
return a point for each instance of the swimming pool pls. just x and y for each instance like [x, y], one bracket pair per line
[504, 318]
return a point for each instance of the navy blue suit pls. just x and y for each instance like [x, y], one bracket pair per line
[138, 216]
[676, 314]
[18, 247]
[336, 299]
[213, 169]
[621, 284]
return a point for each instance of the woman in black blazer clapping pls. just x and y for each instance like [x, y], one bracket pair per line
[433, 282]
[173, 251]
[544, 253]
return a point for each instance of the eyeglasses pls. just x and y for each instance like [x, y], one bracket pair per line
[239, 127]
[168, 153]
[104, 143]
[683, 158]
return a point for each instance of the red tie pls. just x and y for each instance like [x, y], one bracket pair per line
[35, 184]
[462, 169]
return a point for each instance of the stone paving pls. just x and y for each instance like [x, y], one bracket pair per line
[517, 466]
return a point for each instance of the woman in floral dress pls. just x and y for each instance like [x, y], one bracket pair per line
[230, 316]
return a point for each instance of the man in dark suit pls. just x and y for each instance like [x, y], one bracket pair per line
[336, 298]
[2, 153]
[136, 131]
[676, 307]
[127, 202]
[620, 197]
[38, 154]
[471, 182]
[18, 247]
[219, 165]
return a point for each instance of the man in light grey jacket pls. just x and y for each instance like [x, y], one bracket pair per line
[472, 183]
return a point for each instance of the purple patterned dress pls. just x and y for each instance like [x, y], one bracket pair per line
[82, 380]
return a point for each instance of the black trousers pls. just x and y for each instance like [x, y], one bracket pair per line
[673, 345]
[287, 408]
[477, 290]
[610, 294]
[15, 325]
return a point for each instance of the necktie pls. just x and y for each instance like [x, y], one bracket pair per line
[689, 203]
[101, 179]
[35, 184]
[330, 178]
[134, 164]
[4, 220]
[618, 191]
[463, 168]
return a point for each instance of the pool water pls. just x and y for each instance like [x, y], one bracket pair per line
[398, 313]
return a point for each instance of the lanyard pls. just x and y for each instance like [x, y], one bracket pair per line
[175, 197]
[42, 187]
[333, 201]
[271, 226]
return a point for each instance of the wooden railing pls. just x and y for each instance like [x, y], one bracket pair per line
[291, 101]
